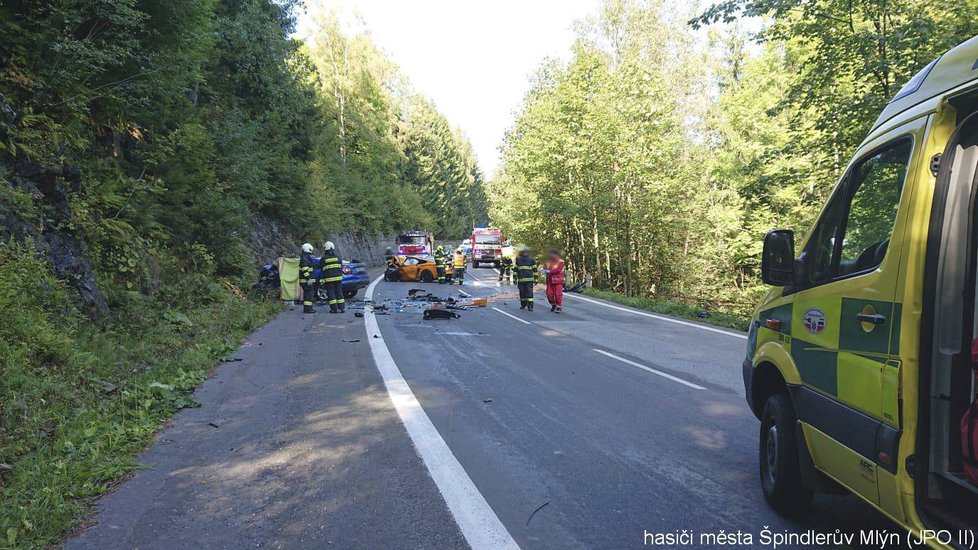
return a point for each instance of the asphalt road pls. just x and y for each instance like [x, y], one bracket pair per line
[295, 446]
[610, 450]
[587, 429]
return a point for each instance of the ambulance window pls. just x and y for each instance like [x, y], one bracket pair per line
[821, 247]
[874, 185]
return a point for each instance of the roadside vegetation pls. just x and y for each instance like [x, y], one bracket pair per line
[140, 140]
[659, 155]
[702, 313]
[77, 402]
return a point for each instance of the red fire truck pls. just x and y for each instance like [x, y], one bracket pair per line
[415, 243]
[487, 246]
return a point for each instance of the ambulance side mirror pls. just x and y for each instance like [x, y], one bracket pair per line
[778, 258]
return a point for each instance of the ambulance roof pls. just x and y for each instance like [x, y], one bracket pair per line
[954, 68]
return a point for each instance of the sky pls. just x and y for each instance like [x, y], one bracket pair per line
[473, 58]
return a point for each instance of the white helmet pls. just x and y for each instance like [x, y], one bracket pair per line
[307, 248]
[328, 245]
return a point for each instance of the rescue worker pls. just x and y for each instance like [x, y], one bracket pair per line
[458, 265]
[506, 269]
[333, 278]
[390, 257]
[554, 270]
[307, 264]
[526, 276]
[440, 263]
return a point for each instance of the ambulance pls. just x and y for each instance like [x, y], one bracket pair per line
[861, 360]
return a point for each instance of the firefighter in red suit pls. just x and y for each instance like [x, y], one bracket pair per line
[555, 281]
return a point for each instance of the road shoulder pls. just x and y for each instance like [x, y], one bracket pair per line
[295, 445]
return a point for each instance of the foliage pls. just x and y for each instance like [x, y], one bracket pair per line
[441, 166]
[394, 160]
[599, 161]
[77, 402]
[696, 312]
[152, 133]
[658, 156]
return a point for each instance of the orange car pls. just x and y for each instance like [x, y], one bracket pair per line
[415, 268]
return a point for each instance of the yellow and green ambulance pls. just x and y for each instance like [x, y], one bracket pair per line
[860, 362]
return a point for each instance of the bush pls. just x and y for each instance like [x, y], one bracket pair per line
[78, 402]
[676, 309]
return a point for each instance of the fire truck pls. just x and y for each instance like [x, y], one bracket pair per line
[415, 243]
[487, 246]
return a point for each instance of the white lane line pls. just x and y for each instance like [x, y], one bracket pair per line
[477, 281]
[478, 523]
[654, 316]
[511, 316]
[653, 371]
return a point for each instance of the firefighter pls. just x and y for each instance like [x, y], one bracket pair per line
[458, 265]
[554, 270]
[390, 257]
[307, 264]
[526, 276]
[333, 278]
[506, 269]
[440, 263]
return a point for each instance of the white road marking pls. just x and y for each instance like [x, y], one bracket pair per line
[478, 523]
[476, 280]
[511, 316]
[654, 316]
[653, 371]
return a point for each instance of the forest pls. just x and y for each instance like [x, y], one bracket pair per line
[674, 138]
[141, 144]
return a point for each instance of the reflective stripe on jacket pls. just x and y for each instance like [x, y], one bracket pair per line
[332, 267]
[526, 269]
[307, 264]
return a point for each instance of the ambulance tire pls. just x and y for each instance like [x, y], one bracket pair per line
[475, 264]
[780, 468]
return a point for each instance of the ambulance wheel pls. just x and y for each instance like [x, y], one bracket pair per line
[780, 465]
[475, 264]
[427, 277]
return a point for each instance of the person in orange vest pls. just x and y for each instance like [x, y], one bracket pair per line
[458, 266]
[554, 270]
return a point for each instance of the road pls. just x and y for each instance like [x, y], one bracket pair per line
[586, 429]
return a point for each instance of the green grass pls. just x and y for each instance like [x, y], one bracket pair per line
[78, 402]
[676, 309]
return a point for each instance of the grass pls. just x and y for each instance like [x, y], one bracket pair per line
[78, 402]
[676, 309]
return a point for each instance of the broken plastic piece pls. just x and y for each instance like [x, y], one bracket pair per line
[432, 313]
